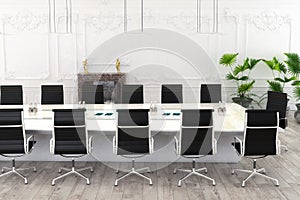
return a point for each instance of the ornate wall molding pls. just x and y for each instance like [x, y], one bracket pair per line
[25, 21]
[104, 21]
[268, 20]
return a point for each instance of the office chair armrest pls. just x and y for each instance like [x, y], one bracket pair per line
[52, 146]
[176, 145]
[215, 149]
[114, 145]
[278, 150]
[151, 145]
[27, 143]
[90, 147]
[236, 139]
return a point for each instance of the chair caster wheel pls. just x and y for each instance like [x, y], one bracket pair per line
[243, 185]
[53, 184]
[92, 170]
[59, 171]
[88, 183]
[26, 182]
[34, 170]
[214, 184]
[179, 184]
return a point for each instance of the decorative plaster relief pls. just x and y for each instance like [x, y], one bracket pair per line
[268, 20]
[25, 21]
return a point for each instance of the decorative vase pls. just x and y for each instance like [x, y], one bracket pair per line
[297, 113]
[243, 101]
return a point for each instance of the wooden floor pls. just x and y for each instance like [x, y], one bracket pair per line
[285, 167]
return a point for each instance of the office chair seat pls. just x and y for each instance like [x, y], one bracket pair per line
[70, 147]
[133, 147]
[14, 147]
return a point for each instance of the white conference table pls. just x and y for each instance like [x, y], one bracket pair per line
[230, 121]
[226, 125]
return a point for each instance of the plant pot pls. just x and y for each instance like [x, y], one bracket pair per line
[297, 113]
[243, 101]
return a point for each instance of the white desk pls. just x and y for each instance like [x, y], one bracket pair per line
[226, 126]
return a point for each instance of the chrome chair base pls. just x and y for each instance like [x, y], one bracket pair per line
[259, 172]
[134, 171]
[193, 171]
[73, 171]
[13, 170]
[285, 147]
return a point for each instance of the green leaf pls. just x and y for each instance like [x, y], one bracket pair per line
[244, 88]
[286, 79]
[297, 93]
[275, 86]
[279, 79]
[252, 63]
[270, 64]
[296, 83]
[240, 68]
[228, 59]
[275, 65]
[243, 78]
[293, 62]
[230, 76]
[280, 67]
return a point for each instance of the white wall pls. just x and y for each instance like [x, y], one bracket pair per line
[31, 56]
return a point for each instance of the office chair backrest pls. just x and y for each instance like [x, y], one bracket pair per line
[277, 101]
[197, 135]
[52, 94]
[210, 93]
[69, 131]
[171, 94]
[92, 94]
[12, 134]
[11, 95]
[133, 132]
[132, 94]
[260, 137]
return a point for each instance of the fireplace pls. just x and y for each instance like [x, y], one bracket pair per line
[111, 84]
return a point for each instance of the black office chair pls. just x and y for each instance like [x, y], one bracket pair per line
[70, 139]
[277, 101]
[196, 139]
[171, 94]
[210, 93]
[260, 140]
[13, 140]
[132, 94]
[11, 95]
[92, 94]
[133, 138]
[52, 94]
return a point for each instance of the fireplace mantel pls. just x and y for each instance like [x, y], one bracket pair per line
[117, 78]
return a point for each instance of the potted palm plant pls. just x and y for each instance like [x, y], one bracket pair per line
[293, 63]
[240, 74]
[280, 75]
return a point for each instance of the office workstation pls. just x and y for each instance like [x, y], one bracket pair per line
[149, 100]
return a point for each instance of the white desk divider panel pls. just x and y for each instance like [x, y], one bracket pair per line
[165, 124]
